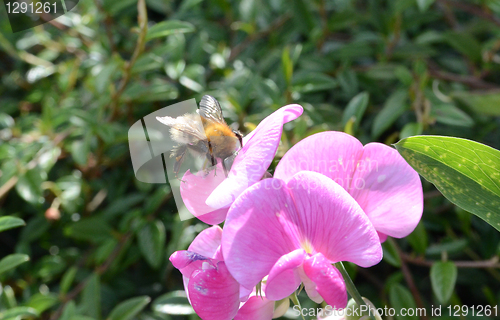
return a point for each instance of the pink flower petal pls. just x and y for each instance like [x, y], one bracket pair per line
[259, 149]
[187, 261]
[214, 294]
[284, 277]
[329, 282]
[334, 154]
[207, 243]
[386, 187]
[196, 188]
[256, 308]
[310, 212]
[388, 190]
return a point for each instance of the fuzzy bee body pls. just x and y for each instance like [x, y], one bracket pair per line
[203, 134]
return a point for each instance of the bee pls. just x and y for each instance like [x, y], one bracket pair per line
[204, 133]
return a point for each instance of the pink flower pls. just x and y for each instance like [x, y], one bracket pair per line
[293, 231]
[208, 197]
[212, 291]
[388, 190]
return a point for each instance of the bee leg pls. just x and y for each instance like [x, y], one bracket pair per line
[212, 159]
[225, 169]
[179, 154]
[240, 138]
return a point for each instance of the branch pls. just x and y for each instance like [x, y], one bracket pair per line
[256, 36]
[472, 9]
[139, 48]
[468, 80]
[409, 278]
[99, 270]
[483, 264]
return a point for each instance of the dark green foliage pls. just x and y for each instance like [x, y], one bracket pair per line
[96, 241]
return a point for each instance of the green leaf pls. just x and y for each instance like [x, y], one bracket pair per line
[91, 297]
[450, 114]
[287, 65]
[69, 311]
[9, 222]
[166, 28]
[355, 109]
[92, 229]
[151, 240]
[411, 129]
[34, 229]
[41, 302]
[466, 172]
[67, 280]
[29, 186]
[418, 239]
[451, 247]
[80, 150]
[8, 297]
[423, 5]
[443, 279]
[128, 309]
[465, 44]
[20, 312]
[306, 82]
[391, 255]
[11, 261]
[483, 102]
[394, 107]
[401, 298]
[175, 303]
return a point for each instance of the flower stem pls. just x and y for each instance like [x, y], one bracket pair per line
[351, 288]
[295, 300]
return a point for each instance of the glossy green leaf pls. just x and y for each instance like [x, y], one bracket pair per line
[166, 28]
[464, 43]
[69, 311]
[392, 110]
[423, 5]
[391, 255]
[67, 279]
[80, 150]
[18, 313]
[9, 222]
[482, 102]
[451, 247]
[41, 302]
[287, 65]
[91, 229]
[443, 279]
[128, 309]
[418, 239]
[12, 260]
[307, 82]
[466, 172]
[401, 298]
[151, 240]
[356, 109]
[91, 297]
[29, 185]
[175, 303]
[451, 115]
[411, 129]
[8, 297]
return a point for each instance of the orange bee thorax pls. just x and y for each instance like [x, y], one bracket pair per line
[213, 130]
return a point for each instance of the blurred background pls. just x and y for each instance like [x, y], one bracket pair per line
[96, 241]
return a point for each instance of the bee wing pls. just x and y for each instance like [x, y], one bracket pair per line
[187, 126]
[210, 109]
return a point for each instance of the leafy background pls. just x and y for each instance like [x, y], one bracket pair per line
[98, 241]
